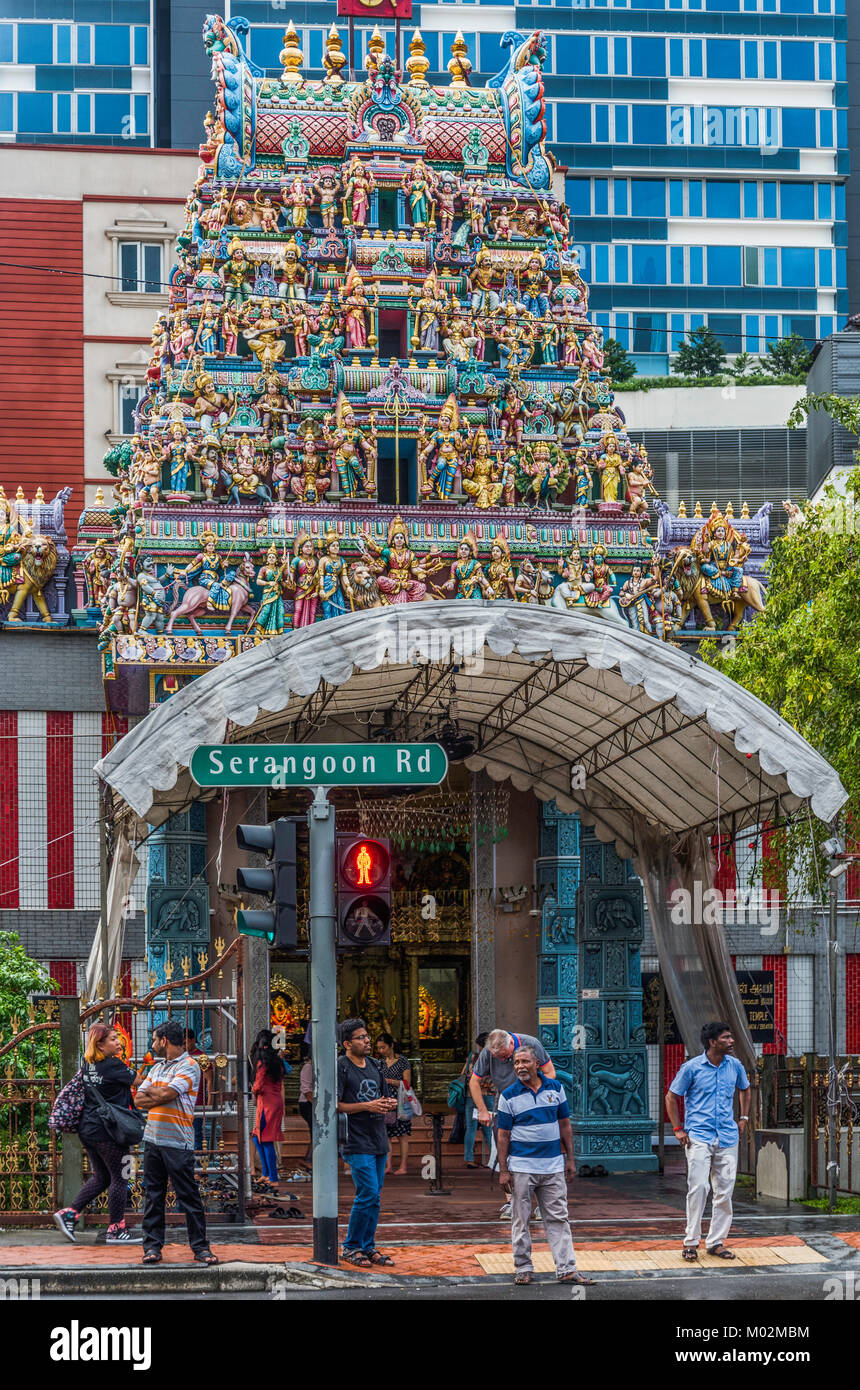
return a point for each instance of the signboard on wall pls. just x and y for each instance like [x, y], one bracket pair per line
[376, 9]
[757, 996]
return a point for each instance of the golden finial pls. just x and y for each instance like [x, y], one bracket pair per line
[291, 56]
[375, 50]
[682, 508]
[168, 969]
[714, 508]
[202, 959]
[100, 497]
[219, 943]
[417, 64]
[40, 496]
[730, 511]
[185, 962]
[460, 64]
[19, 495]
[745, 511]
[697, 510]
[333, 58]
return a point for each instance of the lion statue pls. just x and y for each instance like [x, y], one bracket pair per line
[365, 590]
[38, 562]
[693, 593]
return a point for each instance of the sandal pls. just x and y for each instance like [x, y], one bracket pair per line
[205, 1257]
[575, 1278]
[152, 1257]
[377, 1258]
[356, 1257]
[522, 1278]
[722, 1252]
[690, 1254]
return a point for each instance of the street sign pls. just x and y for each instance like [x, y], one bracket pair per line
[319, 764]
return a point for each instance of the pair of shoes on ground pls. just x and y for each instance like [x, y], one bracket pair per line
[524, 1277]
[201, 1257]
[362, 1260]
[67, 1221]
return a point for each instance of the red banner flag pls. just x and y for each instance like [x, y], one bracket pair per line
[376, 9]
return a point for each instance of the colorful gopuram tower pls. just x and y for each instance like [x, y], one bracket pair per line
[377, 381]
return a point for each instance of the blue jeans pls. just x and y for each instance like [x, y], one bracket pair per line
[368, 1175]
[472, 1130]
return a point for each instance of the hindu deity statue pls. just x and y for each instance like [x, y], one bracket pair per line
[314, 473]
[632, 599]
[721, 551]
[514, 332]
[525, 584]
[230, 329]
[236, 274]
[208, 456]
[542, 472]
[483, 298]
[263, 326]
[535, 287]
[266, 213]
[333, 583]
[354, 303]
[327, 340]
[439, 454]
[459, 340]
[358, 187]
[175, 449]
[514, 415]
[610, 466]
[571, 355]
[297, 198]
[427, 311]
[499, 572]
[301, 579]
[582, 480]
[327, 185]
[447, 193]
[592, 353]
[349, 444]
[207, 330]
[181, 337]
[503, 226]
[599, 579]
[467, 579]
[96, 567]
[568, 594]
[269, 620]
[243, 482]
[145, 472]
[480, 481]
[272, 405]
[301, 325]
[292, 274]
[476, 207]
[420, 183]
[400, 577]
[208, 571]
[639, 481]
[548, 335]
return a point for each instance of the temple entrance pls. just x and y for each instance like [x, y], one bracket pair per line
[386, 205]
[392, 334]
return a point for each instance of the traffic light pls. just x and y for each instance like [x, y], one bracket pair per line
[363, 891]
[276, 924]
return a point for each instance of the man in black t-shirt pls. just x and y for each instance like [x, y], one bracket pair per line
[363, 1096]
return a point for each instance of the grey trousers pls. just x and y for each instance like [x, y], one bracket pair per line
[550, 1192]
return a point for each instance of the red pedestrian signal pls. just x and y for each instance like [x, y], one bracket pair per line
[363, 891]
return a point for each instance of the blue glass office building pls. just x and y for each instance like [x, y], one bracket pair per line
[706, 141]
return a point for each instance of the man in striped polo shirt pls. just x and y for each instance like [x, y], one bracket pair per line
[169, 1095]
[535, 1142]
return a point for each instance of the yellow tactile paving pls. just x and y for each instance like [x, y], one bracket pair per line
[609, 1260]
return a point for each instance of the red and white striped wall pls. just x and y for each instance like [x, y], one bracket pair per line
[49, 835]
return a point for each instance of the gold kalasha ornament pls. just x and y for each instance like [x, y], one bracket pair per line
[460, 64]
[291, 56]
[417, 64]
[334, 58]
[375, 50]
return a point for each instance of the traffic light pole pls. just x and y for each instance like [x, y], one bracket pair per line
[321, 931]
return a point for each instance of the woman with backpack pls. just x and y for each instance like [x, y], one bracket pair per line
[267, 1067]
[107, 1074]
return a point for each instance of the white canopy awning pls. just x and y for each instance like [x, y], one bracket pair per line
[654, 732]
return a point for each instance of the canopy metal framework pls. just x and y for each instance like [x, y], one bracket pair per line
[654, 735]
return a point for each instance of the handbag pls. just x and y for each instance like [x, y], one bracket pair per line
[124, 1127]
[457, 1093]
[69, 1105]
[458, 1128]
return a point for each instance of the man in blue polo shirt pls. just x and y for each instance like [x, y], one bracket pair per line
[535, 1143]
[709, 1135]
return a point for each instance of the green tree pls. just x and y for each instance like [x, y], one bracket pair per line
[788, 357]
[702, 355]
[20, 976]
[802, 655]
[616, 362]
[741, 364]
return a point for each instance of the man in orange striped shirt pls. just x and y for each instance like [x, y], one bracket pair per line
[169, 1094]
